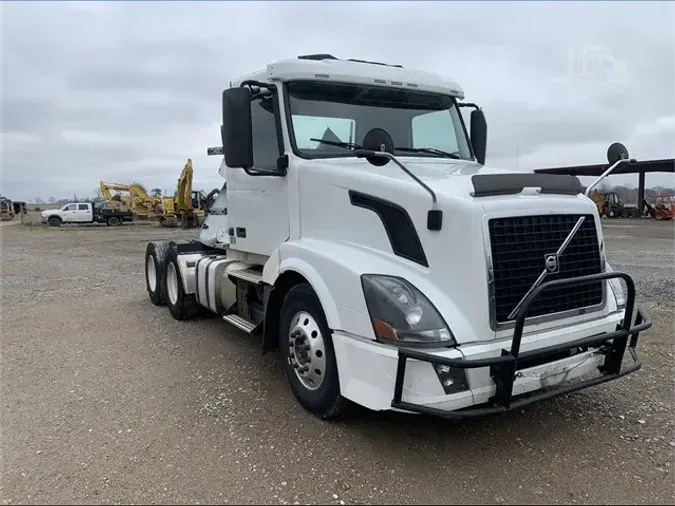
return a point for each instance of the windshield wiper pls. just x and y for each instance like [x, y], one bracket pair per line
[456, 155]
[338, 143]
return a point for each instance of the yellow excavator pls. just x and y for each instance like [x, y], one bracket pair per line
[188, 205]
[138, 201]
[184, 208]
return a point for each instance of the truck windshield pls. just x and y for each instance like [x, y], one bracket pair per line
[344, 113]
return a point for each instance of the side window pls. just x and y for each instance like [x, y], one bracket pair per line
[265, 145]
[316, 127]
[82, 207]
[435, 130]
[70, 207]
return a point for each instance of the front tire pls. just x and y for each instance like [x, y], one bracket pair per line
[156, 255]
[309, 358]
[182, 306]
[54, 222]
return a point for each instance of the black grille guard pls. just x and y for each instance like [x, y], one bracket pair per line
[503, 368]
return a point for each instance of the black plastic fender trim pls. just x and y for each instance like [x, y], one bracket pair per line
[400, 229]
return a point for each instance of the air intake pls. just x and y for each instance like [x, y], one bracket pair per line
[374, 63]
[317, 57]
[321, 56]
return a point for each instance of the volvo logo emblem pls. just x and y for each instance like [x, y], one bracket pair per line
[551, 262]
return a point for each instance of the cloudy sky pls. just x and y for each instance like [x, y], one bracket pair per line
[128, 91]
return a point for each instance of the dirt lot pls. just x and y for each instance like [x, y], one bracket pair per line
[105, 398]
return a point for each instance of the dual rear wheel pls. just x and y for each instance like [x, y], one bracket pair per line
[164, 283]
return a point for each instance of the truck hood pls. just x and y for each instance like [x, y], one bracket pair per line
[456, 261]
[451, 177]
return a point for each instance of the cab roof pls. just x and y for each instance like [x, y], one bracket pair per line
[326, 67]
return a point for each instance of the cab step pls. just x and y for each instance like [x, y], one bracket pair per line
[250, 275]
[241, 323]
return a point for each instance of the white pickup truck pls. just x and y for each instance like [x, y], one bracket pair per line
[85, 212]
[363, 237]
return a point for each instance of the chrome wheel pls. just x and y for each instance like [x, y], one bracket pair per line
[306, 350]
[172, 283]
[151, 273]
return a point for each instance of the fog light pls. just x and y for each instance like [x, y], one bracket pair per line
[453, 379]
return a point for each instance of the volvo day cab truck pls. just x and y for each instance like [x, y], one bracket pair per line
[85, 212]
[361, 235]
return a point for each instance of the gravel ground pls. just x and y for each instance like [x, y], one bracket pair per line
[106, 399]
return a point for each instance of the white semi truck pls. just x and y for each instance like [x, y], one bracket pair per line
[361, 235]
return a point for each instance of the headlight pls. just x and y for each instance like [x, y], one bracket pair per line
[401, 314]
[618, 289]
[619, 292]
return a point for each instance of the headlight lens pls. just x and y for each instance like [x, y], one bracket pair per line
[618, 289]
[401, 314]
[619, 292]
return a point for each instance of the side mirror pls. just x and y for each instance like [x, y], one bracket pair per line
[479, 135]
[236, 131]
[616, 152]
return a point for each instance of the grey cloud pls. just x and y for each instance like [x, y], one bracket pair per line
[127, 90]
[111, 116]
[524, 129]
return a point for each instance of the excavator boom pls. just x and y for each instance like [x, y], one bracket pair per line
[184, 193]
[142, 205]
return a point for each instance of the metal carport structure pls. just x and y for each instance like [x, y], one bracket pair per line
[640, 168]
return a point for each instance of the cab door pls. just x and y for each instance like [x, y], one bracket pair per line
[69, 213]
[84, 214]
[258, 204]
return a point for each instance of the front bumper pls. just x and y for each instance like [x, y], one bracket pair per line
[505, 370]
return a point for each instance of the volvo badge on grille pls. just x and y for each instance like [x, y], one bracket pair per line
[551, 265]
[551, 262]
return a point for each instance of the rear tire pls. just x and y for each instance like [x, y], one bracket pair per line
[156, 254]
[113, 221]
[303, 325]
[182, 306]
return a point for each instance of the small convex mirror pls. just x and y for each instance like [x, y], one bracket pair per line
[616, 152]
